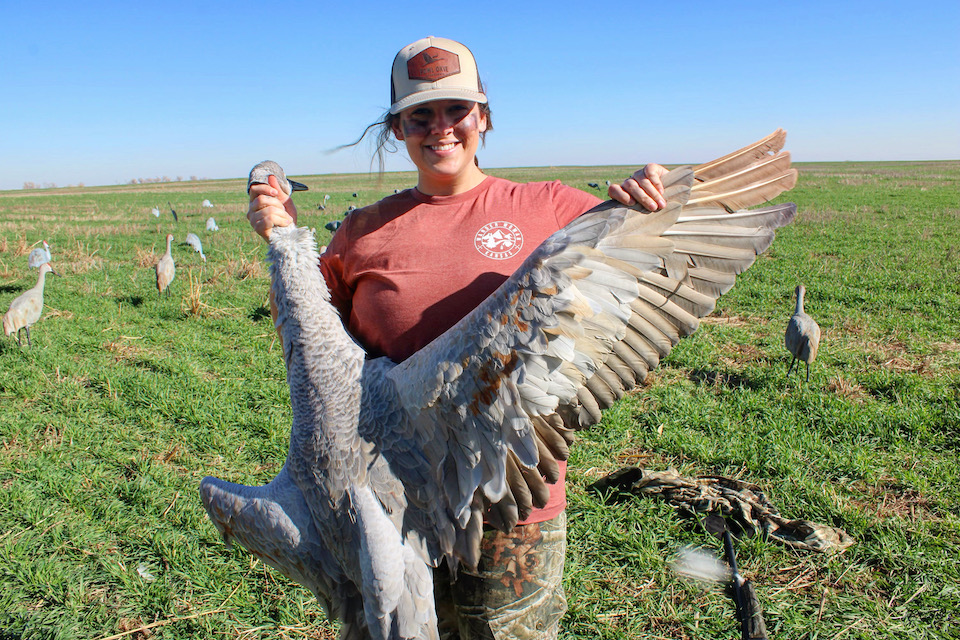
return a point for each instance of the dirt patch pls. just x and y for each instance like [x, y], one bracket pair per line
[847, 390]
[893, 500]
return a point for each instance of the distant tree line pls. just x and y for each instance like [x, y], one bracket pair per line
[161, 179]
[53, 185]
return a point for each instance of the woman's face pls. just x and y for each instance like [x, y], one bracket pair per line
[442, 137]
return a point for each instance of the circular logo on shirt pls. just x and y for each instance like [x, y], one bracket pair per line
[499, 240]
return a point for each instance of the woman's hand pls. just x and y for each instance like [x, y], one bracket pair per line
[643, 187]
[270, 207]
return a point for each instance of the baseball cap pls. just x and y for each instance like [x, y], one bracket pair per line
[434, 69]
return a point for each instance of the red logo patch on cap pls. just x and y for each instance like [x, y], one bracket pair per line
[433, 64]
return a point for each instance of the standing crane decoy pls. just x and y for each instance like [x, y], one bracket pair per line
[173, 211]
[212, 224]
[392, 468]
[39, 256]
[323, 205]
[802, 337]
[25, 309]
[194, 241]
[166, 269]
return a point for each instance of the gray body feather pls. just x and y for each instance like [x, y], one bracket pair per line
[392, 467]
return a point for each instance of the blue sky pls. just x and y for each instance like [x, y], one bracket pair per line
[101, 93]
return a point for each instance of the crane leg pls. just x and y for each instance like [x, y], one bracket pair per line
[790, 368]
[29, 344]
[808, 372]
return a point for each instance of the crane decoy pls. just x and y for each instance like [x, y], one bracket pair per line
[25, 309]
[173, 211]
[194, 241]
[39, 256]
[593, 185]
[323, 205]
[212, 225]
[802, 337]
[333, 225]
[206, 204]
[392, 468]
[166, 269]
[156, 212]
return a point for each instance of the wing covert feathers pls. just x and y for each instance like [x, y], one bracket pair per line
[590, 313]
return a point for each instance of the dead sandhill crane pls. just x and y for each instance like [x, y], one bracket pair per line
[39, 256]
[392, 468]
[194, 241]
[802, 337]
[25, 309]
[166, 269]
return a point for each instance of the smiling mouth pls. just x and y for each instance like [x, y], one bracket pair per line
[443, 147]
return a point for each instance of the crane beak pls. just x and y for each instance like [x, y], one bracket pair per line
[297, 186]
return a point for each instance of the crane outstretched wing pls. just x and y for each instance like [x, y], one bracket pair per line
[498, 396]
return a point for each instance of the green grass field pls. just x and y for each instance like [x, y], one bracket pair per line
[127, 399]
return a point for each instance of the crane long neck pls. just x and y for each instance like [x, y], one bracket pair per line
[799, 308]
[324, 364]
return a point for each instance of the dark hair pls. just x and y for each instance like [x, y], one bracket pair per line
[386, 141]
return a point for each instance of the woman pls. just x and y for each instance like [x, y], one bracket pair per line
[407, 268]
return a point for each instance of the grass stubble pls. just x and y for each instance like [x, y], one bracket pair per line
[127, 399]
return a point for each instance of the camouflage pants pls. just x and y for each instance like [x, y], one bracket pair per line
[517, 591]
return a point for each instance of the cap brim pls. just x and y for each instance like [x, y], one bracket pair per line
[448, 93]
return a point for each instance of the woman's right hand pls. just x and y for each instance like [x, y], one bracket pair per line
[270, 207]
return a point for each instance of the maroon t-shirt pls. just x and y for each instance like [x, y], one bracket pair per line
[406, 269]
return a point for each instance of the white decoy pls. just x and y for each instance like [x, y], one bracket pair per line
[25, 309]
[206, 204]
[166, 269]
[194, 241]
[323, 205]
[39, 256]
[393, 467]
[802, 337]
[156, 212]
[212, 225]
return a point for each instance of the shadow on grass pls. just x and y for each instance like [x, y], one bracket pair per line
[259, 313]
[11, 288]
[134, 301]
[714, 378]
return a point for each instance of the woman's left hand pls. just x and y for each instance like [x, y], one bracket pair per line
[643, 187]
